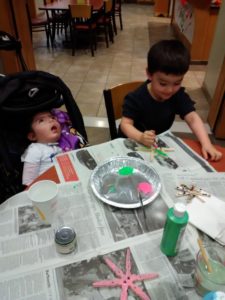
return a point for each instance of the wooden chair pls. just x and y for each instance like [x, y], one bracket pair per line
[117, 12]
[83, 21]
[39, 23]
[114, 98]
[105, 21]
[58, 20]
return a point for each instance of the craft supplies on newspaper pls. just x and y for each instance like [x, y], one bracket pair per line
[191, 192]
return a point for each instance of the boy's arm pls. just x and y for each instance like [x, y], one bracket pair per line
[146, 138]
[195, 123]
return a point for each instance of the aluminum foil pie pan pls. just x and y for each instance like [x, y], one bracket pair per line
[117, 180]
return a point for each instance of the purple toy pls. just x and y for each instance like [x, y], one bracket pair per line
[69, 139]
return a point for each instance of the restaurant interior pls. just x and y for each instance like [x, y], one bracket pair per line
[124, 60]
[87, 226]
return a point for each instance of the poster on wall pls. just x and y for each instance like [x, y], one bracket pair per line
[184, 17]
[215, 3]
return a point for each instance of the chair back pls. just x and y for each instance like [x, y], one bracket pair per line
[118, 4]
[47, 2]
[108, 5]
[114, 98]
[80, 11]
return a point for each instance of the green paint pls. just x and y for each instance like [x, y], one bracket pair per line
[126, 171]
[112, 189]
[160, 152]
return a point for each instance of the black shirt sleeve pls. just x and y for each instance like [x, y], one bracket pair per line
[150, 114]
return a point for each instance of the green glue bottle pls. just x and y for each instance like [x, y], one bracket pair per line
[177, 219]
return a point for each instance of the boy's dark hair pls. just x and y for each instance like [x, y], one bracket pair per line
[168, 56]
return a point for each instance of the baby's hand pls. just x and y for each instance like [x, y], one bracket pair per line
[148, 138]
[210, 152]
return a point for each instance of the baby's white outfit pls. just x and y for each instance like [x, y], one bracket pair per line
[37, 159]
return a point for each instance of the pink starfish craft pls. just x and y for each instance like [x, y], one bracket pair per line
[125, 280]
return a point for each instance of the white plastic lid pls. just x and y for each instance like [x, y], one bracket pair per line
[179, 210]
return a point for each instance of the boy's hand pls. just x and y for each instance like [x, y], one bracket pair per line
[211, 153]
[148, 138]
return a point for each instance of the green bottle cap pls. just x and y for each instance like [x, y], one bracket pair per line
[179, 210]
[126, 171]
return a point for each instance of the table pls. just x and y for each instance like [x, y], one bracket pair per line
[64, 4]
[31, 266]
[219, 166]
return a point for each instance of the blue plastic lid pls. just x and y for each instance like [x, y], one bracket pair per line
[214, 296]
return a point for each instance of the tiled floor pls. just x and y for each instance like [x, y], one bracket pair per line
[123, 61]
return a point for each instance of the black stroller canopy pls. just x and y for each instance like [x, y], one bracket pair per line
[25, 93]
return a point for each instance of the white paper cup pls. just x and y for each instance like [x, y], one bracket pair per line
[43, 195]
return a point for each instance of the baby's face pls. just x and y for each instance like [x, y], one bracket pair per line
[46, 128]
[164, 86]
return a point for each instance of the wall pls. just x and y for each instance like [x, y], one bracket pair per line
[9, 59]
[1, 67]
[185, 19]
[217, 54]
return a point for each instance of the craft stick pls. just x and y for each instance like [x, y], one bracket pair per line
[167, 149]
[145, 149]
[151, 156]
[197, 195]
[204, 255]
[199, 198]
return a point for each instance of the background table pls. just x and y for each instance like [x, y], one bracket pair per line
[64, 4]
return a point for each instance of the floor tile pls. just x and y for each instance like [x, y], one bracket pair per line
[123, 61]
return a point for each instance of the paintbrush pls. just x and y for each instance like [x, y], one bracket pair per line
[143, 209]
[204, 256]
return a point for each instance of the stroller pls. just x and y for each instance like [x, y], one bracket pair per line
[21, 95]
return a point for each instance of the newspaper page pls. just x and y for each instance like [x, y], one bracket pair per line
[31, 268]
[174, 275]
[212, 183]
[73, 279]
[83, 161]
[29, 257]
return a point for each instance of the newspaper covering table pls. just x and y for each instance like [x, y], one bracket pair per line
[31, 268]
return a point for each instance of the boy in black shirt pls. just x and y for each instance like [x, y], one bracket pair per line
[151, 109]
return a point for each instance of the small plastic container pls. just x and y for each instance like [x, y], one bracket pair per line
[65, 240]
[213, 281]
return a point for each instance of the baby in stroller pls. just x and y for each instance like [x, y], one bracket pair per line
[22, 96]
[51, 133]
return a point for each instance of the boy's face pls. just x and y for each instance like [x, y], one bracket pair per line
[164, 86]
[45, 128]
